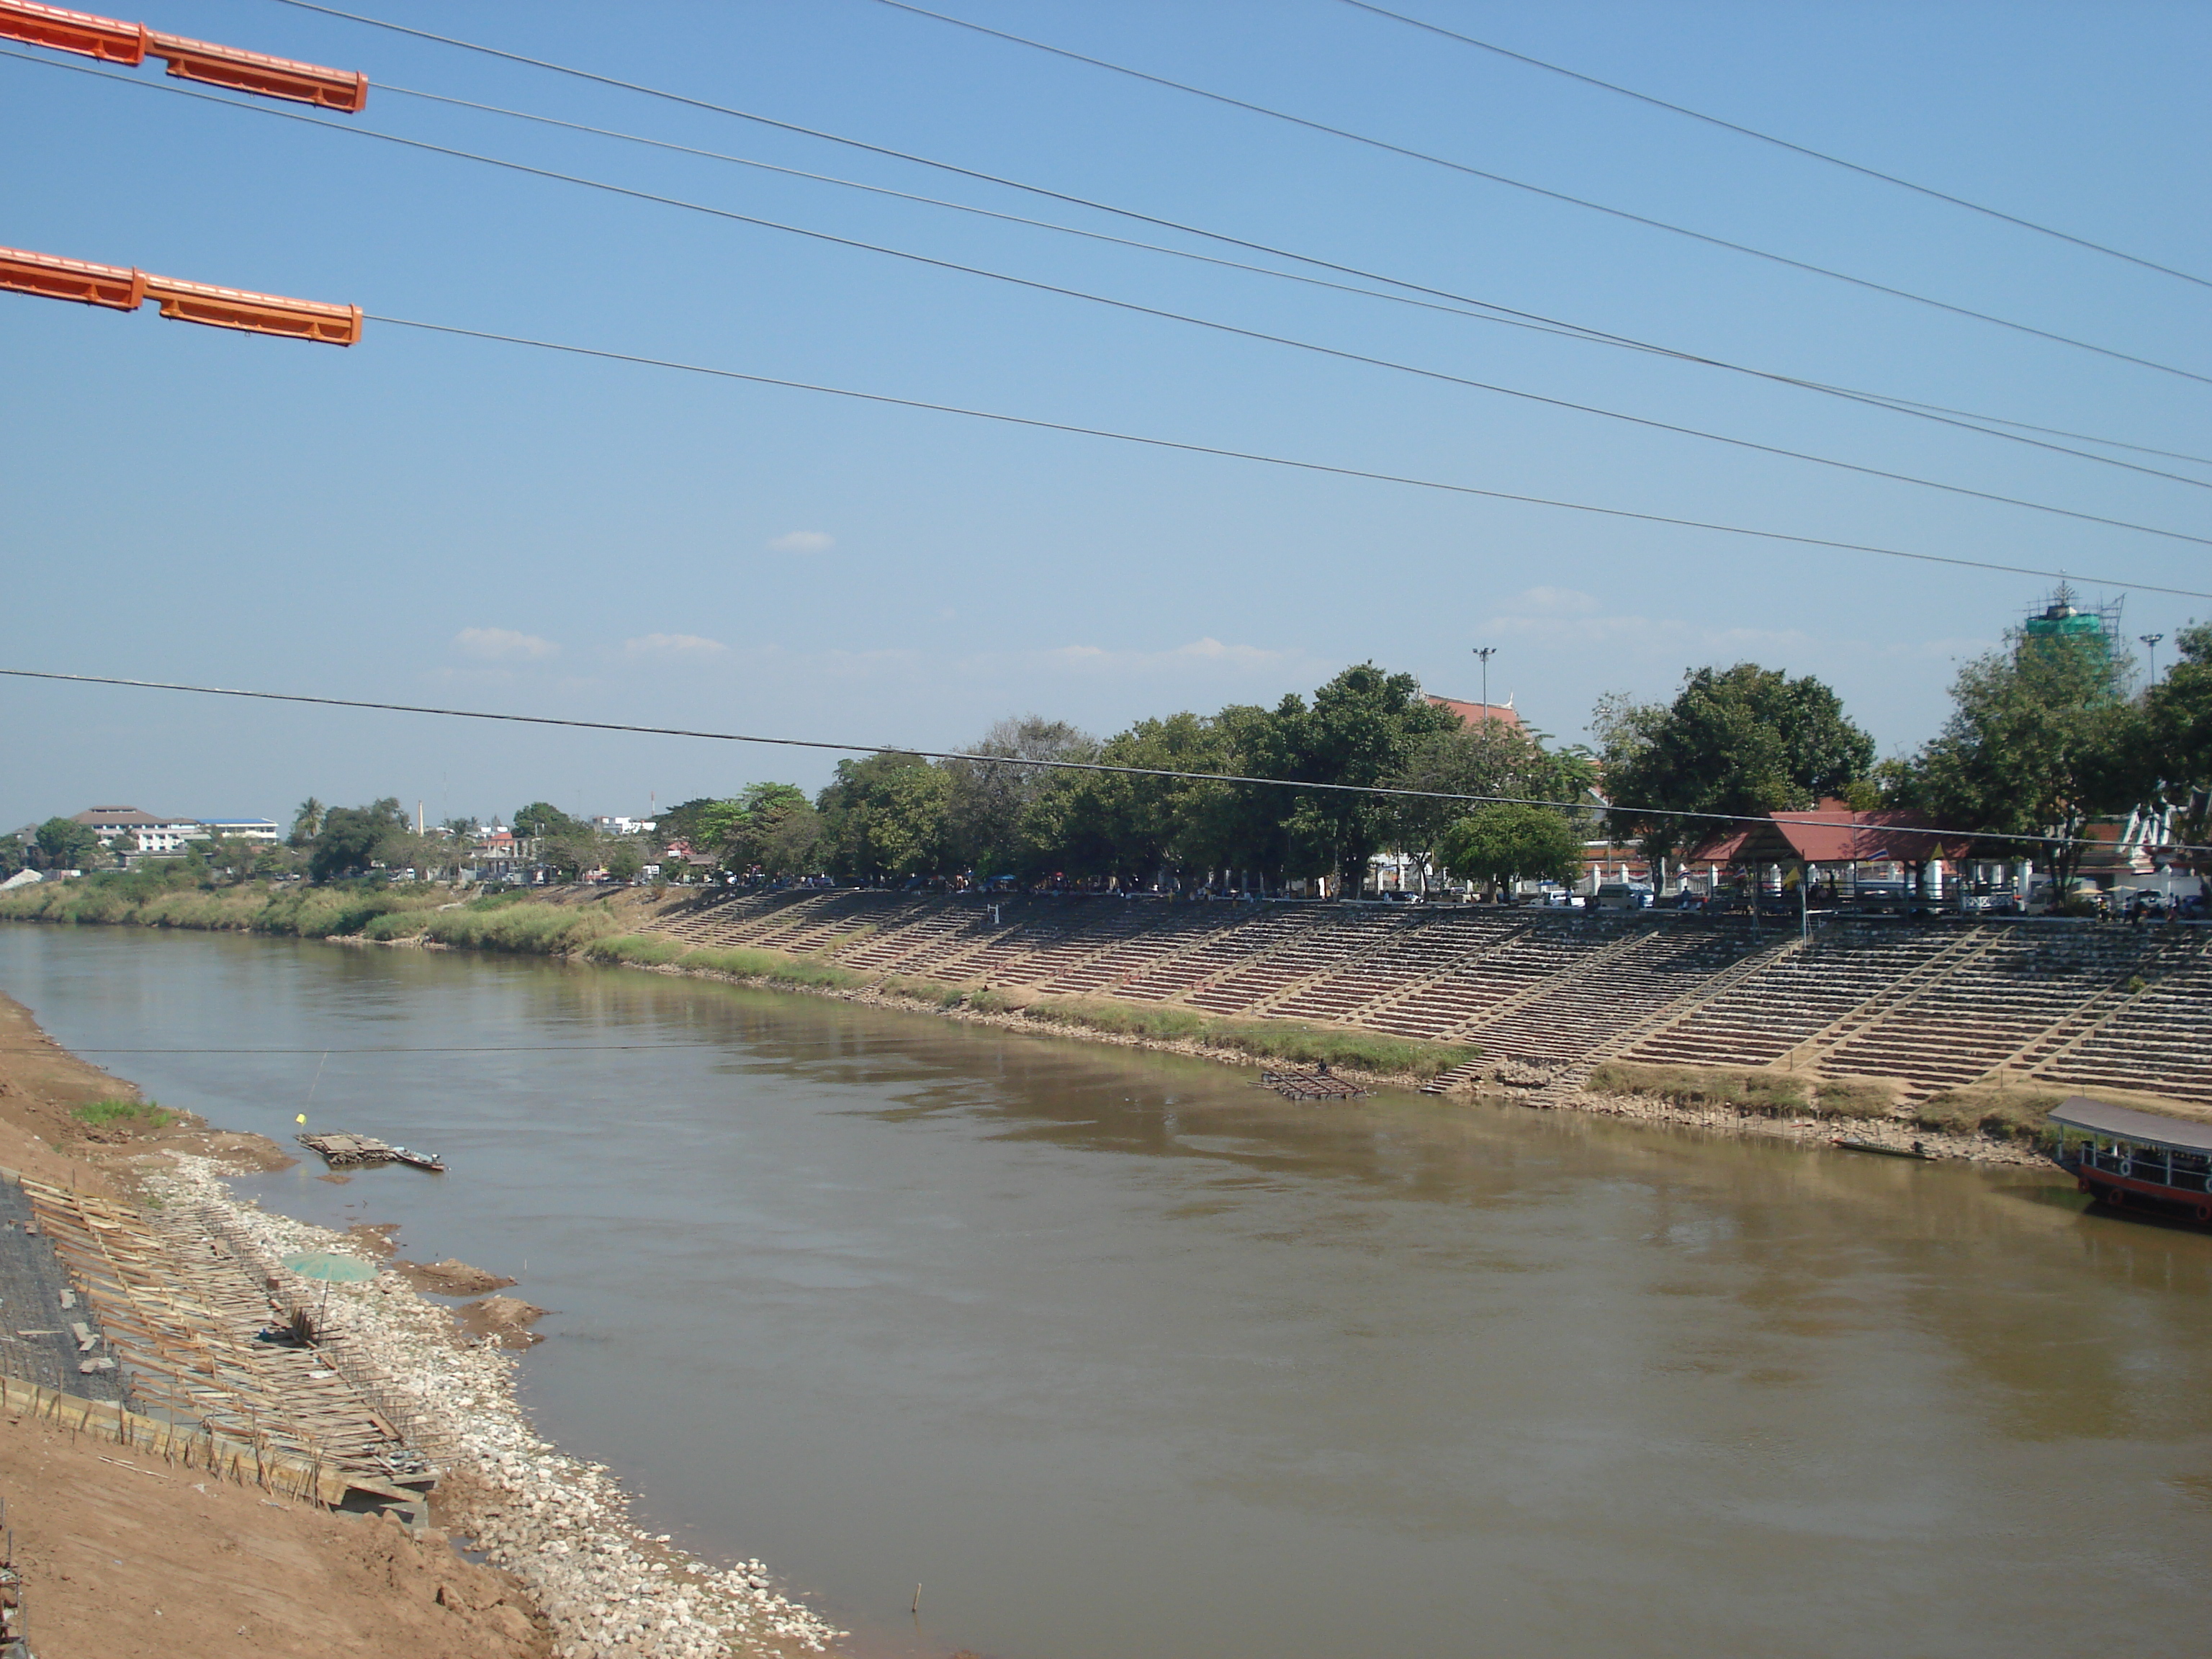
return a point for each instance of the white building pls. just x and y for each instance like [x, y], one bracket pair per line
[243, 828]
[619, 826]
[154, 834]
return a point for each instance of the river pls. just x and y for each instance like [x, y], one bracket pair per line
[1116, 1354]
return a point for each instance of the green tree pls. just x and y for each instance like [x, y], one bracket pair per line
[566, 847]
[352, 838]
[746, 829]
[543, 819]
[65, 844]
[219, 858]
[623, 860]
[681, 822]
[2178, 718]
[1126, 825]
[2040, 742]
[1362, 728]
[1491, 758]
[274, 858]
[790, 839]
[1508, 843]
[1245, 827]
[1742, 740]
[885, 816]
[988, 804]
[307, 822]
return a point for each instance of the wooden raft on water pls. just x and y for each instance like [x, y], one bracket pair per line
[342, 1151]
[1311, 1085]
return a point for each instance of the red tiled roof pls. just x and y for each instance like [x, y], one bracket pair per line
[1473, 713]
[1830, 834]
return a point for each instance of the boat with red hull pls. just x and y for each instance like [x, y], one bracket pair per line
[2143, 1162]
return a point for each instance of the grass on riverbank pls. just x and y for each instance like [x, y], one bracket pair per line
[659, 950]
[144, 899]
[107, 1114]
[1285, 1040]
[1991, 1109]
[1289, 1041]
[1749, 1090]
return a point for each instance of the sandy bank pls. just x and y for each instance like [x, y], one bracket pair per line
[560, 1525]
[124, 1554]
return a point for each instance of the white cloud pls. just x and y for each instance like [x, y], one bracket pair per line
[502, 645]
[673, 647]
[1210, 649]
[803, 541]
[1555, 601]
[1758, 639]
[1202, 652]
[1586, 629]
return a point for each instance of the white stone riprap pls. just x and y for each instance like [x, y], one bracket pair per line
[560, 1525]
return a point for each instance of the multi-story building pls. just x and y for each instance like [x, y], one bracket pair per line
[152, 833]
[243, 828]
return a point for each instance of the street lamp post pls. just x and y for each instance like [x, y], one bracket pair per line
[2152, 640]
[1485, 652]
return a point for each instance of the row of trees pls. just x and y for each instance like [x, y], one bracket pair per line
[338, 841]
[2043, 737]
[1150, 800]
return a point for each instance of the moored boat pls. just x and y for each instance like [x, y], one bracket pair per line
[341, 1149]
[2145, 1161]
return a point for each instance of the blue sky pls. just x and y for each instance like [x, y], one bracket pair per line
[423, 519]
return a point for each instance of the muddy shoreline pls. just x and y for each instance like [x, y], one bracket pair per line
[564, 1571]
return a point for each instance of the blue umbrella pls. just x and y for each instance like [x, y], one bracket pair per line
[329, 1268]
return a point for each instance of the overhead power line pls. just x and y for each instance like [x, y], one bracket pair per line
[708, 104]
[1473, 171]
[1464, 306]
[1260, 336]
[1779, 144]
[1967, 419]
[1100, 767]
[1299, 466]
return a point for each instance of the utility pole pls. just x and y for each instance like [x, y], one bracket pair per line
[1485, 653]
[2152, 640]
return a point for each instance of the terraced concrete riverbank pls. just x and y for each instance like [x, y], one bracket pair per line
[1958, 1035]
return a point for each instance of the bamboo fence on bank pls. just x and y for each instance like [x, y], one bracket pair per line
[180, 1298]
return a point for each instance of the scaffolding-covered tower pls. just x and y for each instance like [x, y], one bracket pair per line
[2064, 618]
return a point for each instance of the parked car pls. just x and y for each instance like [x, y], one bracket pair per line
[1987, 898]
[1624, 896]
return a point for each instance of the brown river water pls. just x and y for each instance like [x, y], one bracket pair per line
[1116, 1354]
